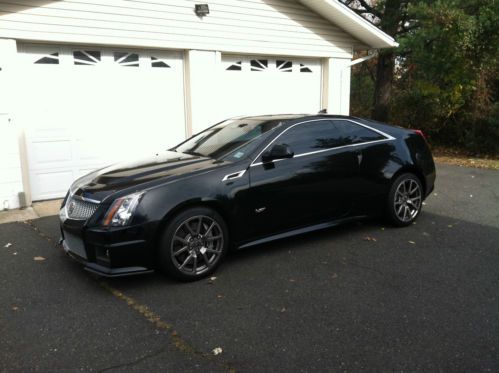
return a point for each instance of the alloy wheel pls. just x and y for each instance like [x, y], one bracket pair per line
[197, 245]
[407, 200]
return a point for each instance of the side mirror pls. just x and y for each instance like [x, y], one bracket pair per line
[278, 151]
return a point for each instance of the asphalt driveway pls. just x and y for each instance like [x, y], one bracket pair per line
[359, 297]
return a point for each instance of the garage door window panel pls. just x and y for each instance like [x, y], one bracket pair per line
[236, 66]
[284, 66]
[51, 59]
[259, 65]
[156, 62]
[126, 59]
[304, 69]
[88, 58]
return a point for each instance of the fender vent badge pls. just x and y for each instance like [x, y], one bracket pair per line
[235, 175]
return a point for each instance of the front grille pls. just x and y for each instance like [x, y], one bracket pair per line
[79, 209]
[75, 244]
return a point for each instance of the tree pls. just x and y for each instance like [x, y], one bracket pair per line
[451, 69]
[391, 16]
[444, 76]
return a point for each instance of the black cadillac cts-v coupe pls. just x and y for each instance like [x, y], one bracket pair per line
[243, 182]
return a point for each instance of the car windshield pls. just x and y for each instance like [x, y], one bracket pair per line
[232, 139]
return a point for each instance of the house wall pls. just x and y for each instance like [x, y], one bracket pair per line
[10, 161]
[240, 26]
[336, 85]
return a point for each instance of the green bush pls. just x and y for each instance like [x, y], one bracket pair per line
[446, 80]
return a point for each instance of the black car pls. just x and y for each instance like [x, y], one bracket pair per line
[240, 183]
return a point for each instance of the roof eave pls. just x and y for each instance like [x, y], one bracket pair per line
[351, 22]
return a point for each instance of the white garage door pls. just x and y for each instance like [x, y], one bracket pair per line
[85, 107]
[264, 85]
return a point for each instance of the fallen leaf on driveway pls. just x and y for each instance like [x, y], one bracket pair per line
[38, 258]
[369, 238]
[412, 242]
[220, 296]
[211, 280]
[15, 308]
[217, 351]
[8, 245]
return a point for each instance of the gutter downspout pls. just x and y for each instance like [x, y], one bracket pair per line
[371, 54]
[346, 68]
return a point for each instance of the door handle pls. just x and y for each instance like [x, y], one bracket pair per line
[359, 156]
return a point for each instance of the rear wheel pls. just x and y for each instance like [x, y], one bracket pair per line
[193, 244]
[405, 199]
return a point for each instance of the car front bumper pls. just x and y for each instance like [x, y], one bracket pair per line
[111, 252]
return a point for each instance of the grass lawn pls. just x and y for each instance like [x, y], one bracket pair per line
[457, 157]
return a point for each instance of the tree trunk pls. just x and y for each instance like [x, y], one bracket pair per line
[383, 87]
[393, 13]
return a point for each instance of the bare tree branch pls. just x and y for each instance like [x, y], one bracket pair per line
[363, 8]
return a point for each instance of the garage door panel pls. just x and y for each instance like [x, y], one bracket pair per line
[50, 152]
[91, 106]
[51, 184]
[44, 130]
[89, 151]
[270, 85]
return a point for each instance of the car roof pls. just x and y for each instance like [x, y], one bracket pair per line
[288, 117]
[291, 119]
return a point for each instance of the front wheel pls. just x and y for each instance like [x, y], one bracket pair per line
[193, 244]
[405, 200]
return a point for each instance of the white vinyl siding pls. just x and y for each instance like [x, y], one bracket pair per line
[241, 26]
[10, 167]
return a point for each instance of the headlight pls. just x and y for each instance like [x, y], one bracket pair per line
[121, 211]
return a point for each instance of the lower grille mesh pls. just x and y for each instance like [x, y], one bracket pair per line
[79, 209]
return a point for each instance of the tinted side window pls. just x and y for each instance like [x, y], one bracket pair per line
[312, 136]
[352, 133]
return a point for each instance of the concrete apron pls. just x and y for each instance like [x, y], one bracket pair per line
[38, 210]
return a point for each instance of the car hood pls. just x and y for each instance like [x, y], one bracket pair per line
[145, 172]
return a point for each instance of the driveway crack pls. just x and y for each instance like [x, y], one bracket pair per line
[178, 342]
[134, 362]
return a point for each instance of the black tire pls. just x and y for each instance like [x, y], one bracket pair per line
[405, 200]
[189, 248]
